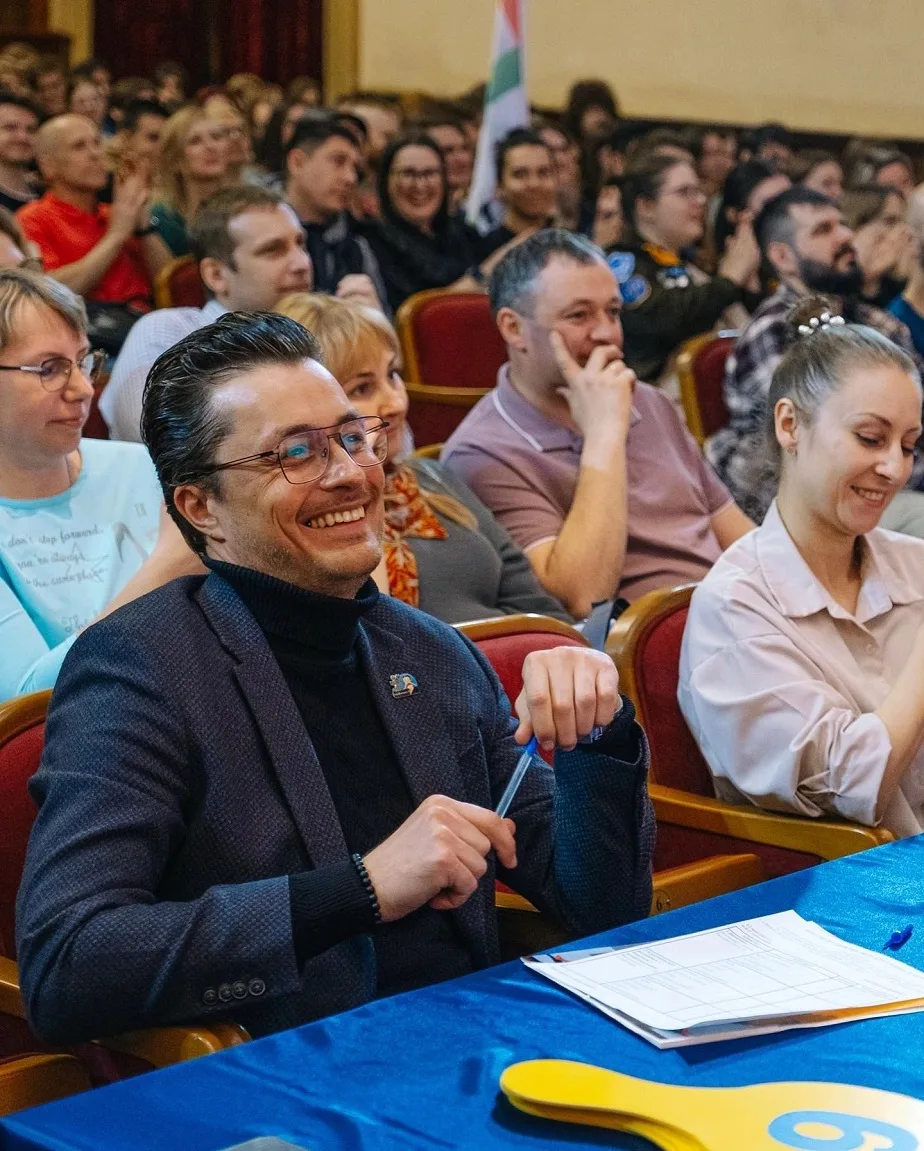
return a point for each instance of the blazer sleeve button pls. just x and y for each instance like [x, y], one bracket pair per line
[239, 989]
[225, 993]
[210, 997]
[257, 987]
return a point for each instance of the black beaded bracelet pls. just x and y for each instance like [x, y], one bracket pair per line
[367, 883]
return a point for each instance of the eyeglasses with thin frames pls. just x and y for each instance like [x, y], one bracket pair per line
[54, 373]
[304, 456]
[417, 175]
[691, 193]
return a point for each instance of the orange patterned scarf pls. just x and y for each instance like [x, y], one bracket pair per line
[406, 514]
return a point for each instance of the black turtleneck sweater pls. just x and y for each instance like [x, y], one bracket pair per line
[313, 638]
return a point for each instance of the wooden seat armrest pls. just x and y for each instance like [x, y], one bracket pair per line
[10, 997]
[164, 1046]
[462, 397]
[826, 838]
[521, 929]
[159, 1046]
[31, 1080]
[704, 879]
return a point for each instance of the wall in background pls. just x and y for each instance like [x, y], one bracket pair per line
[836, 65]
[75, 19]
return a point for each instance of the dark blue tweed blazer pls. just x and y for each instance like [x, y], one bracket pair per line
[179, 790]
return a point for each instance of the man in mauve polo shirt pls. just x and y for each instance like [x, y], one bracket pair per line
[104, 252]
[590, 470]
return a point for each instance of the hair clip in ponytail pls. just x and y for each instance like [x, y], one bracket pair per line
[819, 323]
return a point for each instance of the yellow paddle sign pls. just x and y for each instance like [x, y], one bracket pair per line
[764, 1117]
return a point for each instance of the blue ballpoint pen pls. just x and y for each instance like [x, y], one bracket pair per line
[517, 778]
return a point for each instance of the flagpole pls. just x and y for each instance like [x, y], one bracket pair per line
[505, 103]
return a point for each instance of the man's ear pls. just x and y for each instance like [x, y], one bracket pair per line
[214, 275]
[47, 167]
[194, 504]
[510, 325]
[294, 161]
[783, 257]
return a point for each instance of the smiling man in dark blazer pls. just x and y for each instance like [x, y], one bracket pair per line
[268, 792]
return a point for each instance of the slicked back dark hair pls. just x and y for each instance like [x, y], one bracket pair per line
[513, 281]
[774, 221]
[179, 425]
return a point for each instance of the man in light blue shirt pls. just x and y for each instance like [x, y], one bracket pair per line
[251, 252]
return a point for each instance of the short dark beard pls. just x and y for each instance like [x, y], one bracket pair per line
[827, 279]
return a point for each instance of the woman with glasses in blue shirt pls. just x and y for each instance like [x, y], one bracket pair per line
[82, 529]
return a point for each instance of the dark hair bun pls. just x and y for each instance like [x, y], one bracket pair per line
[811, 315]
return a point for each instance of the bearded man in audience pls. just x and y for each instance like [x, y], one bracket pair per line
[251, 251]
[288, 806]
[590, 470]
[803, 237]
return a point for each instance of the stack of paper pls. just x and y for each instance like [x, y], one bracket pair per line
[751, 978]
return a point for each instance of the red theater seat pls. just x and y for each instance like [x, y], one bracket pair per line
[701, 372]
[449, 340]
[178, 285]
[22, 732]
[692, 824]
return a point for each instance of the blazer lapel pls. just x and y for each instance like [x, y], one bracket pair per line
[274, 711]
[417, 730]
[410, 714]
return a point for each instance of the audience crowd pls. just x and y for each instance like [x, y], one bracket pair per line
[287, 807]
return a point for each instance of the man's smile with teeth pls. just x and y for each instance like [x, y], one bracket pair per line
[329, 519]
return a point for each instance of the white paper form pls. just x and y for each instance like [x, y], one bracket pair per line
[759, 968]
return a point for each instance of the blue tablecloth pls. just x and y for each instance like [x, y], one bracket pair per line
[421, 1070]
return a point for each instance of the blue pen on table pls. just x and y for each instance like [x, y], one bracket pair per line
[898, 939]
[517, 778]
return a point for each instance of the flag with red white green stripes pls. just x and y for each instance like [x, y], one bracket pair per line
[505, 103]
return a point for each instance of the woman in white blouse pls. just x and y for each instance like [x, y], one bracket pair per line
[802, 669]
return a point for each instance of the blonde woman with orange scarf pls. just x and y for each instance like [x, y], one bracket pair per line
[444, 551]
